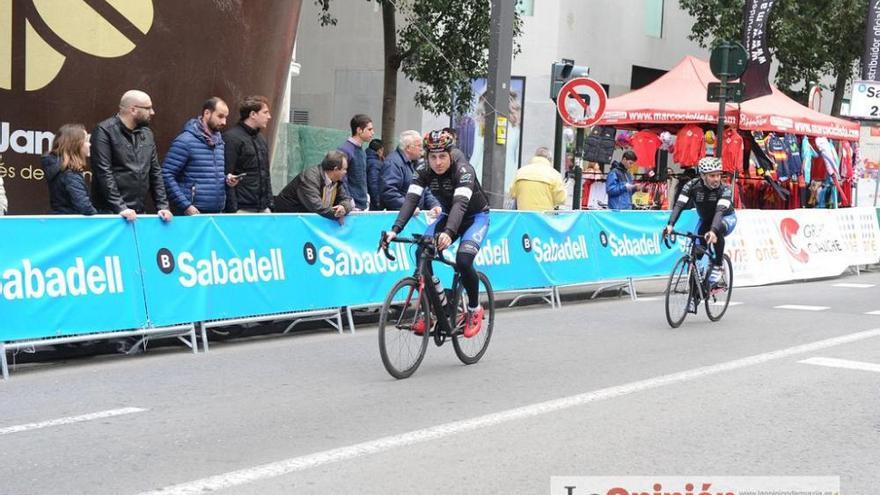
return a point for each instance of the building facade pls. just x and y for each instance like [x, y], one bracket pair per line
[626, 44]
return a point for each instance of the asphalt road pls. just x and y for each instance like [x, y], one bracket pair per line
[595, 388]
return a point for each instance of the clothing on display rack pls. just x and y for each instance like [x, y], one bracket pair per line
[599, 146]
[732, 151]
[645, 144]
[689, 146]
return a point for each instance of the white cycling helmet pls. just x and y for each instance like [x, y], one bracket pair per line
[709, 164]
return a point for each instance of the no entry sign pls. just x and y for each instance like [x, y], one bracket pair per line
[581, 102]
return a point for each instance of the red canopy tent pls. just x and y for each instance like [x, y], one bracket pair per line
[679, 97]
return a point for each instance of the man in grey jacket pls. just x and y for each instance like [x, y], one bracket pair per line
[318, 190]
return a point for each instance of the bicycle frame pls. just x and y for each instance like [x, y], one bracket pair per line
[426, 254]
[695, 253]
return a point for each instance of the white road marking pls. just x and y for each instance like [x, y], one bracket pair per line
[649, 299]
[873, 313]
[70, 420]
[801, 307]
[854, 286]
[842, 363]
[294, 464]
[731, 303]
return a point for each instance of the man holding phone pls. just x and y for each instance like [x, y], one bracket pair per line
[247, 159]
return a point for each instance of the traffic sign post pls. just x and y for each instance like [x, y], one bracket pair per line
[560, 72]
[728, 61]
[580, 104]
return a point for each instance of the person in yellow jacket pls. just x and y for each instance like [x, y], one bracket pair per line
[538, 186]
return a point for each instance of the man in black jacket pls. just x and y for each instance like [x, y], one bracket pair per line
[125, 161]
[318, 190]
[247, 157]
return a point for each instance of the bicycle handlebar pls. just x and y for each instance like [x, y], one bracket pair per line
[415, 239]
[674, 233]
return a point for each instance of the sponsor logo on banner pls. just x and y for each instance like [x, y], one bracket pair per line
[789, 228]
[347, 262]
[33, 282]
[492, 254]
[551, 250]
[817, 239]
[625, 245]
[216, 270]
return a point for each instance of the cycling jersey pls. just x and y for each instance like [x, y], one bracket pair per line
[457, 190]
[712, 205]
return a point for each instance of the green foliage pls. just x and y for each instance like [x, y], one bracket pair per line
[809, 38]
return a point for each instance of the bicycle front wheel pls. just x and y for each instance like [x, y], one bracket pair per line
[719, 298]
[678, 292]
[404, 325]
[469, 351]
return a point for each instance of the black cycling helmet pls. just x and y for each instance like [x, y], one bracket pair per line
[438, 142]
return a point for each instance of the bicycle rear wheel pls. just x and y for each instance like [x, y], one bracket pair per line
[719, 298]
[678, 292]
[469, 351]
[401, 348]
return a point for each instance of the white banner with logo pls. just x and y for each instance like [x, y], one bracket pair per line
[776, 246]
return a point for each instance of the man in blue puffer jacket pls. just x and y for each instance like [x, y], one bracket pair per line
[194, 168]
[398, 172]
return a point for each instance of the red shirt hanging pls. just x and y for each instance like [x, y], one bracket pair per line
[732, 154]
[645, 144]
[689, 146]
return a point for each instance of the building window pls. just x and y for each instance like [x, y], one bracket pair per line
[654, 18]
[525, 7]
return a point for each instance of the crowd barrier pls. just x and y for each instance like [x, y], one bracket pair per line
[64, 276]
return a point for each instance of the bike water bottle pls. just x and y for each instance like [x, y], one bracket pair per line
[441, 294]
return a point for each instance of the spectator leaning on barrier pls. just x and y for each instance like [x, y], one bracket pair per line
[195, 166]
[247, 157]
[64, 166]
[355, 181]
[538, 186]
[619, 183]
[318, 190]
[125, 162]
[375, 162]
[400, 166]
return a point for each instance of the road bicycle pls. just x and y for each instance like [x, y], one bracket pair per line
[417, 309]
[689, 281]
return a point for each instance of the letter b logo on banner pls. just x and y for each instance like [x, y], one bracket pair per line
[165, 260]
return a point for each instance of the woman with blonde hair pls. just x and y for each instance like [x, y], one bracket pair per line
[64, 167]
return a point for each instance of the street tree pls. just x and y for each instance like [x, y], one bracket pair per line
[809, 38]
[442, 45]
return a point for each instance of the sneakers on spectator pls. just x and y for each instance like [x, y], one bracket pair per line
[474, 322]
[716, 277]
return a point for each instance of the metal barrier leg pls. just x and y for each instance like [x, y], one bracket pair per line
[632, 290]
[558, 297]
[339, 326]
[350, 318]
[3, 363]
[193, 339]
[204, 333]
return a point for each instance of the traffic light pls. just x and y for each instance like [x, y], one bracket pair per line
[562, 72]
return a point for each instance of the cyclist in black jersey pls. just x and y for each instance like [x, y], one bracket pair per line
[713, 201]
[465, 214]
